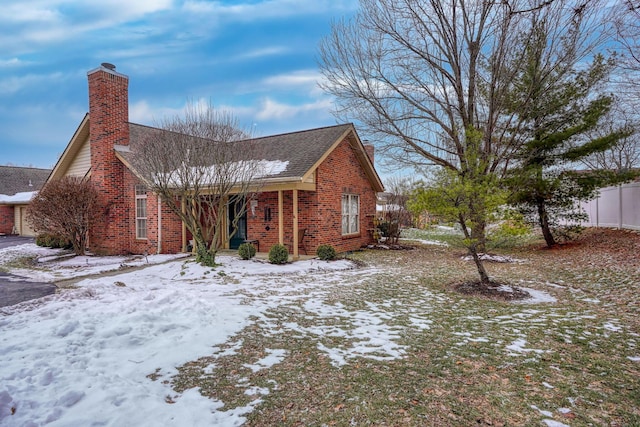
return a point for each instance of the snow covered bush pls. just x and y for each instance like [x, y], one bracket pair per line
[247, 251]
[326, 252]
[278, 254]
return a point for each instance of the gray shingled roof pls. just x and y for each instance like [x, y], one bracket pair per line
[15, 179]
[301, 149]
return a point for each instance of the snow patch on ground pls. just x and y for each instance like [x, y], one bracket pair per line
[85, 355]
[273, 357]
[494, 258]
[426, 242]
[537, 297]
[554, 423]
[518, 346]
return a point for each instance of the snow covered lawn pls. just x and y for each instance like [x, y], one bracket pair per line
[383, 340]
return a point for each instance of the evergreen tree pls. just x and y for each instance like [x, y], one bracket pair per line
[564, 107]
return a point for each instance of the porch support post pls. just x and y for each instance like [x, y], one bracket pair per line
[280, 218]
[184, 227]
[296, 255]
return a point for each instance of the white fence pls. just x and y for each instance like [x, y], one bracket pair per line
[617, 207]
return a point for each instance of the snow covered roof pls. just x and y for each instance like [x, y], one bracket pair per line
[299, 151]
[17, 199]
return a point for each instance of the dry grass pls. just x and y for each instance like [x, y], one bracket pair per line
[450, 359]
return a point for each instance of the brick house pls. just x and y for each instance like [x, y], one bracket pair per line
[326, 194]
[17, 187]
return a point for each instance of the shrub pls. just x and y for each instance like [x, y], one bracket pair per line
[326, 252]
[51, 241]
[247, 251]
[278, 254]
[68, 207]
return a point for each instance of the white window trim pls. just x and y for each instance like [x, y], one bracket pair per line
[350, 214]
[141, 194]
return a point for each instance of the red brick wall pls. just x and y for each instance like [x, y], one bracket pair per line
[341, 173]
[257, 225]
[171, 233]
[320, 212]
[7, 219]
[108, 126]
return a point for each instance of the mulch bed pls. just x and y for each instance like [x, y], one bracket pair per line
[492, 290]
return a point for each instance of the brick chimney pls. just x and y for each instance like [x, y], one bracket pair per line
[108, 126]
[370, 149]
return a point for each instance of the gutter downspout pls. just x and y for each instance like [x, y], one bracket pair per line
[159, 225]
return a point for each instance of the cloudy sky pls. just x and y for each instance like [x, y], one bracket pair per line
[257, 58]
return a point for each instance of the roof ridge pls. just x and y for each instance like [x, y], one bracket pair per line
[302, 131]
[25, 167]
[259, 137]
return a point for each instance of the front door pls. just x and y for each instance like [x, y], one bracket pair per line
[237, 211]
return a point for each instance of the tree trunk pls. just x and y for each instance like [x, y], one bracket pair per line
[473, 250]
[479, 236]
[543, 218]
[484, 277]
[203, 255]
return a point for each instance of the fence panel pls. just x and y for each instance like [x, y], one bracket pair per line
[616, 207]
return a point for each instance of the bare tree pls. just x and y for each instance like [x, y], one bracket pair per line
[429, 81]
[202, 165]
[627, 22]
[66, 208]
[395, 214]
[625, 155]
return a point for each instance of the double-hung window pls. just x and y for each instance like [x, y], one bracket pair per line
[141, 212]
[350, 214]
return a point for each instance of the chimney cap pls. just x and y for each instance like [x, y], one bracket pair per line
[108, 66]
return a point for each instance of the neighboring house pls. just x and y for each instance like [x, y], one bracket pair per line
[17, 187]
[326, 194]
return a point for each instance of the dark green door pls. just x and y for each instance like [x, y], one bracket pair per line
[237, 210]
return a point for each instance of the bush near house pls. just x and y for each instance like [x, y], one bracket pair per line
[326, 252]
[67, 207]
[52, 241]
[278, 254]
[246, 251]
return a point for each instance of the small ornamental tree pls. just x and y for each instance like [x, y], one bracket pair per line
[468, 199]
[67, 208]
[205, 161]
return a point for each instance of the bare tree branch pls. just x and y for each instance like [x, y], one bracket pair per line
[201, 164]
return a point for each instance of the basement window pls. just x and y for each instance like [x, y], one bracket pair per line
[141, 212]
[350, 214]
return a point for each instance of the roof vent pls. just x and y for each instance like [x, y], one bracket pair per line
[108, 66]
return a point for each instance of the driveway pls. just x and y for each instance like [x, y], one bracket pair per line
[8, 241]
[15, 289]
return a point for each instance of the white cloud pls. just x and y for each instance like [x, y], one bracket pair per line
[26, 25]
[272, 110]
[15, 84]
[23, 12]
[268, 9]
[296, 78]
[144, 113]
[258, 53]
[302, 80]
[13, 62]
